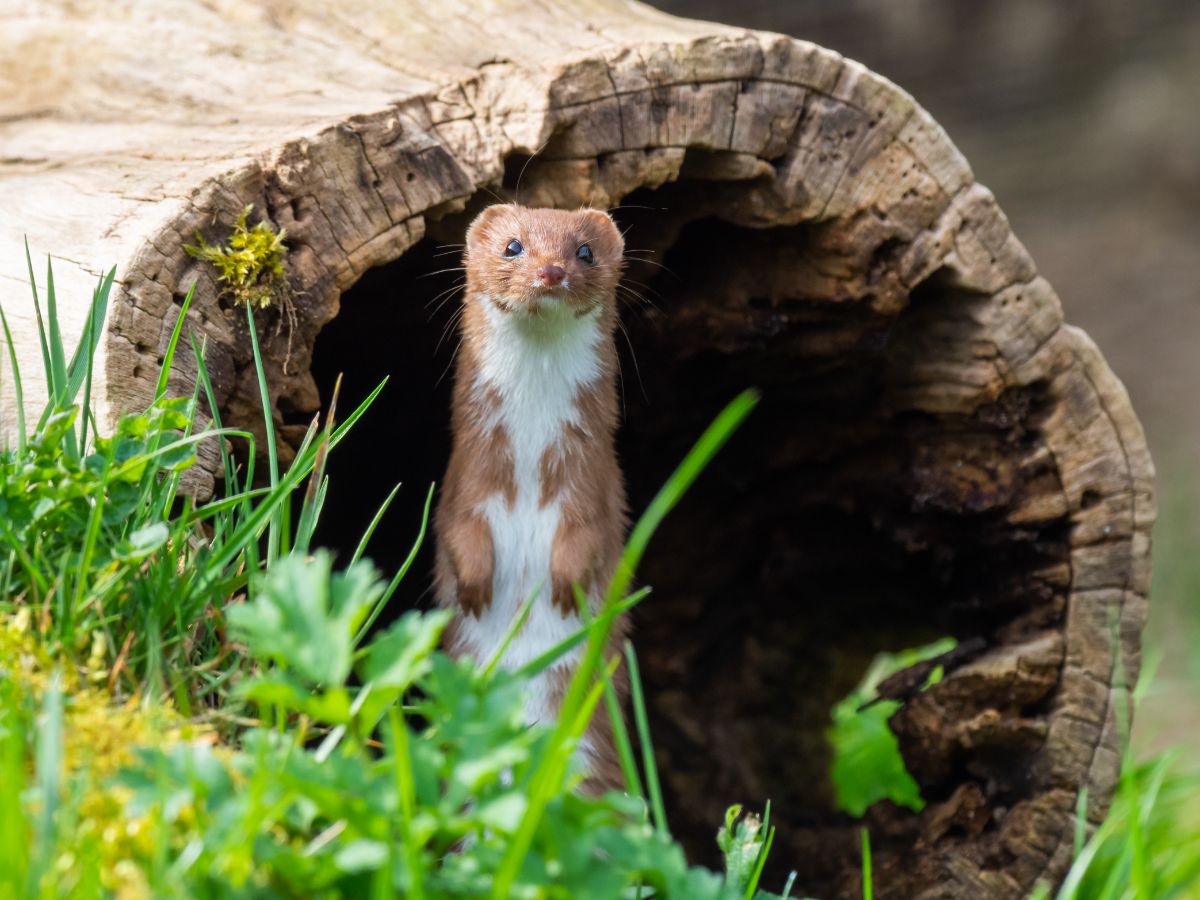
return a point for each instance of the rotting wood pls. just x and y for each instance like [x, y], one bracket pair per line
[936, 425]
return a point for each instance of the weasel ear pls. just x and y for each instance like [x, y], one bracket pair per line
[605, 227]
[485, 220]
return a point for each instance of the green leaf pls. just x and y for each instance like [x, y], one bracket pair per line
[331, 707]
[867, 766]
[400, 655]
[504, 813]
[361, 856]
[303, 617]
[142, 542]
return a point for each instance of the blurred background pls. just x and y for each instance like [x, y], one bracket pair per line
[1083, 117]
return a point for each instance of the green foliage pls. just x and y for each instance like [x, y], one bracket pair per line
[303, 759]
[306, 621]
[96, 536]
[368, 797]
[867, 766]
[251, 268]
[330, 767]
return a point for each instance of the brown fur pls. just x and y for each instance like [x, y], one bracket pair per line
[582, 468]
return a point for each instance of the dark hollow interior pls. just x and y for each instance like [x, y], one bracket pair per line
[831, 527]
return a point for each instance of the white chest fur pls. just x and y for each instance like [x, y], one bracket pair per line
[536, 366]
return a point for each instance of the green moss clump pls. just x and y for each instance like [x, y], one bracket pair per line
[251, 267]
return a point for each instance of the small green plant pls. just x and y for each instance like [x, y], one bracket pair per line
[867, 766]
[745, 842]
[251, 267]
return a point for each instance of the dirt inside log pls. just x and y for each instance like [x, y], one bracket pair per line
[836, 524]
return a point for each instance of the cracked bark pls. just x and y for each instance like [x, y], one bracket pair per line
[937, 453]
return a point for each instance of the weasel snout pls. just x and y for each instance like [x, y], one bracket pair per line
[551, 276]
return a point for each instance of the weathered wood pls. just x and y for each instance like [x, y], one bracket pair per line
[938, 452]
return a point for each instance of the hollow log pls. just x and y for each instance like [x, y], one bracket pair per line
[937, 453]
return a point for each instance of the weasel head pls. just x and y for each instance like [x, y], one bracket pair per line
[532, 261]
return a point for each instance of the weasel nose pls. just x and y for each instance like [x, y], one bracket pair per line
[551, 276]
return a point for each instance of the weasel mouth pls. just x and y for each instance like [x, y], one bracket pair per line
[550, 299]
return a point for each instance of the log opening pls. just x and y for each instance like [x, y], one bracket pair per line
[841, 522]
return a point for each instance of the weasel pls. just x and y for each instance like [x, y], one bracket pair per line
[533, 499]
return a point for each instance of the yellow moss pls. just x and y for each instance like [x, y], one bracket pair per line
[251, 267]
[99, 736]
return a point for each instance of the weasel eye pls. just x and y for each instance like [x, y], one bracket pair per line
[514, 248]
[585, 253]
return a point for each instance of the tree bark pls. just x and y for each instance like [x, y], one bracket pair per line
[937, 452]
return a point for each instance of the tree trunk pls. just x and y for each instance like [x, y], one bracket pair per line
[937, 452]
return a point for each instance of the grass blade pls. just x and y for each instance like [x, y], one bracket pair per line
[406, 791]
[273, 535]
[18, 391]
[164, 371]
[376, 519]
[514, 627]
[51, 387]
[693, 464]
[315, 495]
[400, 573]
[92, 330]
[57, 359]
[761, 862]
[49, 769]
[1081, 821]
[545, 660]
[642, 723]
[81, 360]
[633, 781]
[867, 877]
